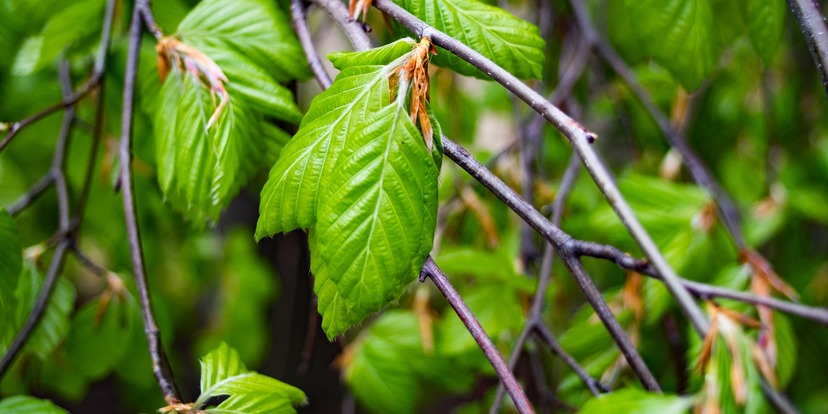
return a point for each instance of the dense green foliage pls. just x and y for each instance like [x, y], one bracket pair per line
[357, 176]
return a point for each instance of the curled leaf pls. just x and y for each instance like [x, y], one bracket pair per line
[193, 61]
[414, 73]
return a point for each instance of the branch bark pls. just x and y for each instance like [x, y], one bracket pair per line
[701, 174]
[300, 26]
[160, 364]
[815, 31]
[564, 244]
[64, 230]
[581, 140]
[431, 270]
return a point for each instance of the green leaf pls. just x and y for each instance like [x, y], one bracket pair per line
[678, 34]
[224, 374]
[54, 324]
[202, 166]
[253, 28]
[787, 351]
[201, 169]
[512, 43]
[99, 336]
[765, 20]
[24, 404]
[78, 20]
[376, 370]
[372, 230]
[11, 256]
[290, 196]
[256, 86]
[638, 402]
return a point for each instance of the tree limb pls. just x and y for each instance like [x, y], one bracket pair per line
[815, 31]
[300, 26]
[431, 270]
[581, 140]
[160, 364]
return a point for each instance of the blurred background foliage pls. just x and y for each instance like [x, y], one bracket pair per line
[757, 118]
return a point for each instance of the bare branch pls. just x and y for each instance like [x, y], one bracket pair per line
[352, 28]
[815, 31]
[581, 140]
[564, 244]
[32, 194]
[160, 364]
[431, 270]
[300, 26]
[533, 320]
[592, 384]
[56, 171]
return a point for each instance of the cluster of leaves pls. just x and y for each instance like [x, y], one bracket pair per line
[214, 115]
[359, 177]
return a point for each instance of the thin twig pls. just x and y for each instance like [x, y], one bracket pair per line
[32, 194]
[701, 290]
[160, 364]
[701, 174]
[49, 283]
[564, 244]
[594, 386]
[96, 80]
[431, 270]
[40, 306]
[300, 26]
[581, 140]
[815, 31]
[544, 278]
[352, 28]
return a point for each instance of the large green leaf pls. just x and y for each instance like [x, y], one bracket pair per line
[765, 19]
[224, 374]
[290, 196]
[629, 401]
[254, 28]
[678, 34]
[512, 43]
[372, 225]
[24, 404]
